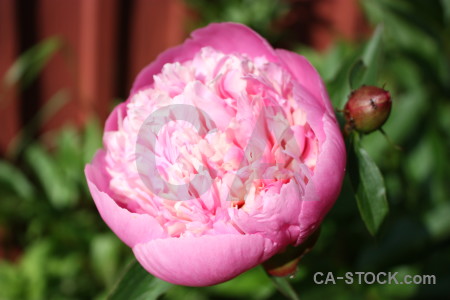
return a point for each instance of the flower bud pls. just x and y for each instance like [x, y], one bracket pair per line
[367, 109]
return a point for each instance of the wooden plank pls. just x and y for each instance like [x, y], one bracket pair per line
[155, 26]
[86, 67]
[9, 105]
[60, 18]
[97, 53]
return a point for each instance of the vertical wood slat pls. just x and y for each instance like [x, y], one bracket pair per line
[155, 26]
[87, 66]
[87, 69]
[97, 56]
[60, 18]
[88, 50]
[9, 106]
[91, 29]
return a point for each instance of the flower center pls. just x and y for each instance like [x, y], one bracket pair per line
[246, 138]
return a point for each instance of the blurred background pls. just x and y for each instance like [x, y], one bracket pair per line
[65, 64]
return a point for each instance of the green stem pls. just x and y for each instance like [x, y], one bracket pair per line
[284, 286]
[397, 147]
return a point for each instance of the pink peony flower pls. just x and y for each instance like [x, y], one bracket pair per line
[225, 152]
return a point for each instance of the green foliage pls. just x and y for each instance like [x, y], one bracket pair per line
[414, 66]
[365, 70]
[47, 217]
[259, 15]
[54, 245]
[14, 182]
[409, 53]
[138, 284]
[368, 184]
[284, 286]
[31, 62]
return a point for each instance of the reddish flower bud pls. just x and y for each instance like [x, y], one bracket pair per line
[367, 109]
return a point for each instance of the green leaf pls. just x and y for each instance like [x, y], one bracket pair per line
[60, 191]
[138, 284]
[92, 139]
[30, 63]
[361, 68]
[34, 268]
[356, 75]
[11, 281]
[26, 135]
[339, 87]
[253, 284]
[371, 57]
[68, 154]
[365, 70]
[368, 184]
[438, 222]
[11, 178]
[105, 251]
[446, 6]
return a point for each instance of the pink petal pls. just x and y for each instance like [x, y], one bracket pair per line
[225, 37]
[131, 228]
[211, 104]
[327, 179]
[204, 260]
[234, 38]
[329, 171]
[306, 75]
[278, 220]
[115, 118]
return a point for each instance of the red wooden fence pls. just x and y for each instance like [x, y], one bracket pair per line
[107, 42]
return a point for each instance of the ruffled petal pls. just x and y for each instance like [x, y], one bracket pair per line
[278, 218]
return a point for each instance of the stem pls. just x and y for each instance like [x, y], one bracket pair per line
[397, 147]
[284, 286]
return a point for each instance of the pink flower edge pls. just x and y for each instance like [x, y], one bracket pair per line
[214, 259]
[131, 228]
[239, 39]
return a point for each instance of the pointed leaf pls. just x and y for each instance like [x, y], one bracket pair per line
[446, 6]
[138, 284]
[11, 178]
[356, 74]
[28, 66]
[371, 57]
[368, 184]
[339, 87]
[25, 136]
[92, 139]
[105, 251]
[361, 68]
[58, 190]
